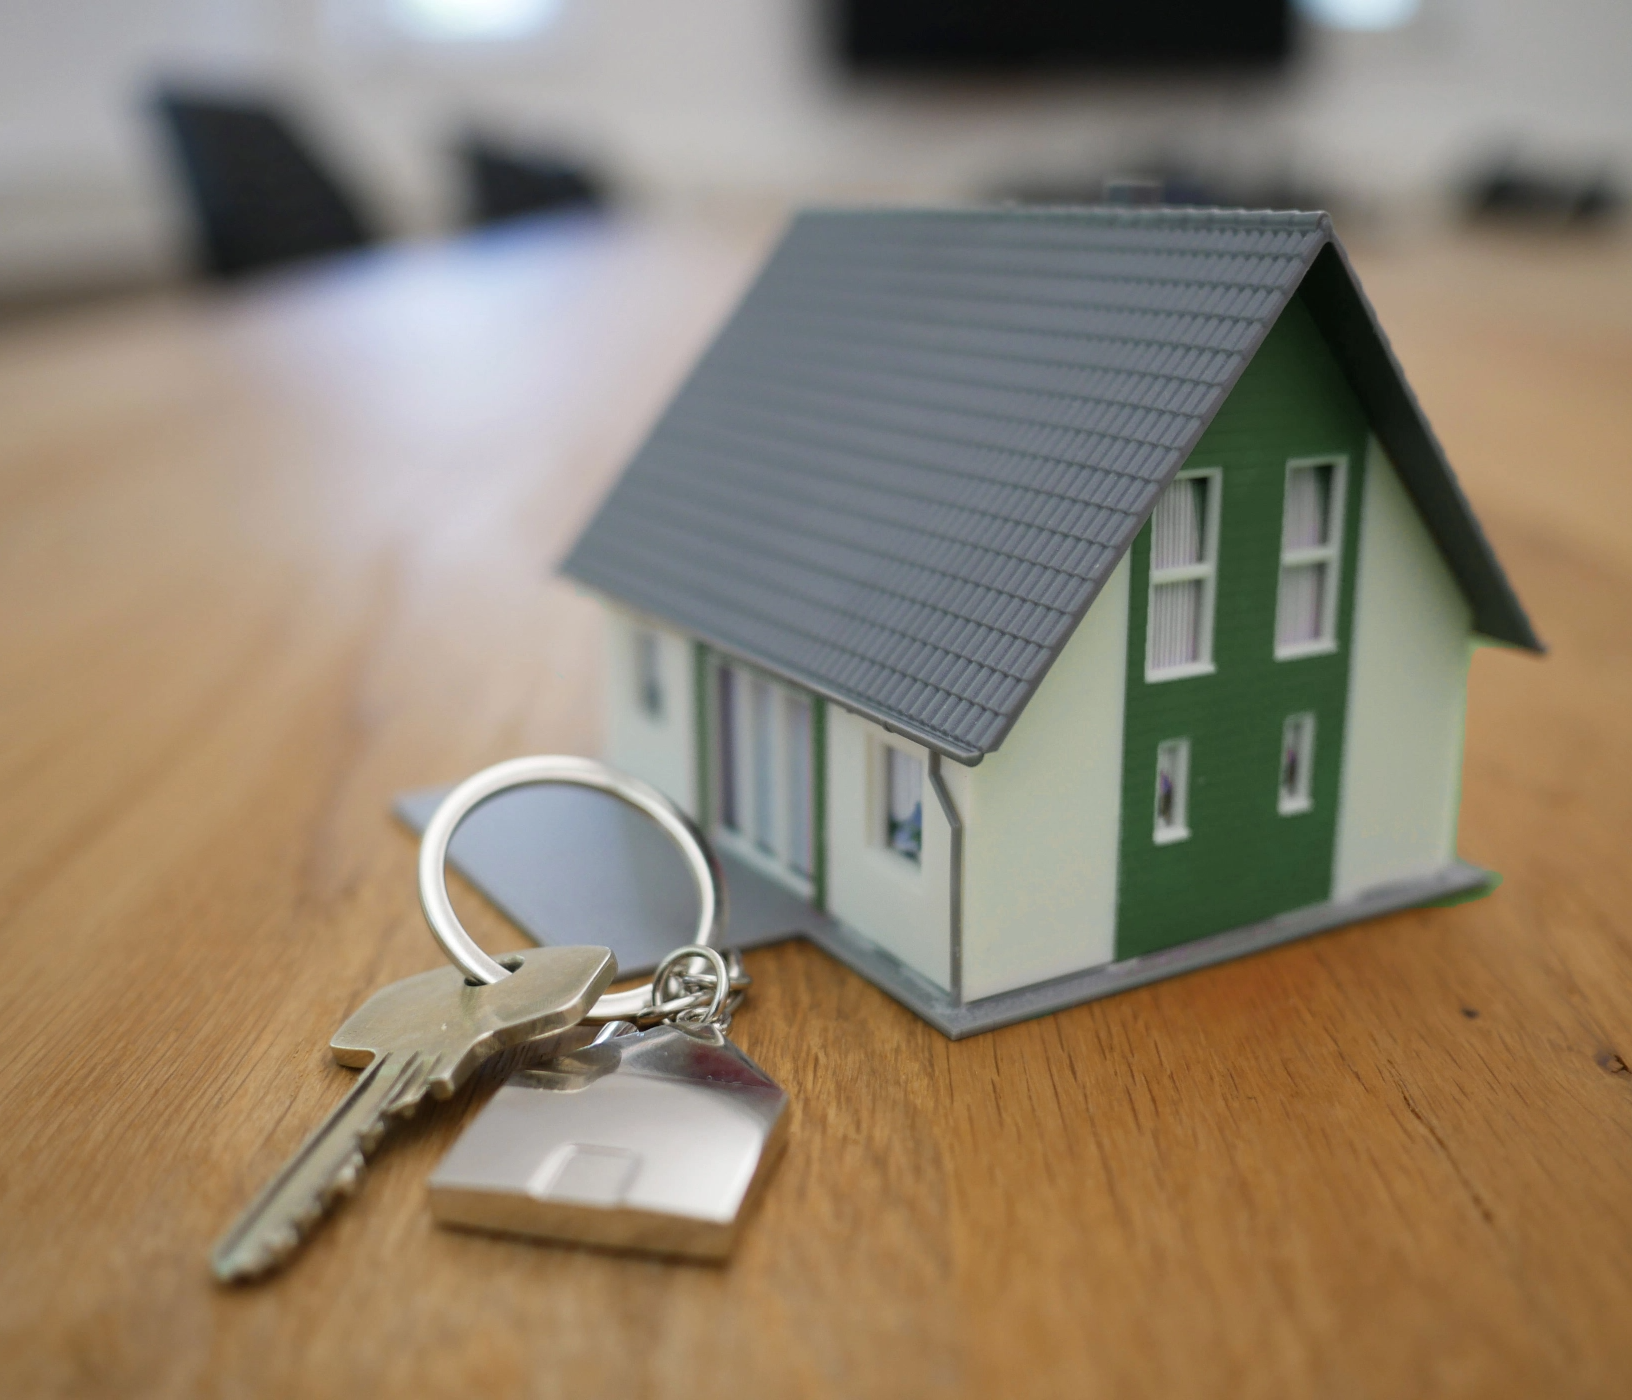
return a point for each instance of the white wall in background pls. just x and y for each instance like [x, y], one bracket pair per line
[730, 97]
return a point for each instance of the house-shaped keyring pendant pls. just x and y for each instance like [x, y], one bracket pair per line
[654, 1141]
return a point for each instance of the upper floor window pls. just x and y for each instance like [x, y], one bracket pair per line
[1183, 575]
[1311, 534]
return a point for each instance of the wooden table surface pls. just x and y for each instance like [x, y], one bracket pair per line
[268, 557]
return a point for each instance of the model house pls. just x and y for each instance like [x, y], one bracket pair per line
[1052, 600]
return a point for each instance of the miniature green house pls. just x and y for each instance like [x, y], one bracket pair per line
[1052, 601]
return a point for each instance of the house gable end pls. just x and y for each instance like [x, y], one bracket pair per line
[1357, 341]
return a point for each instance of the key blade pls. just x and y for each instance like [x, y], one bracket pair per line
[423, 1034]
[440, 1013]
[327, 1166]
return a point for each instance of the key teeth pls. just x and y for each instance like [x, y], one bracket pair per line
[347, 1179]
[392, 1088]
[274, 1249]
[277, 1246]
[284, 1243]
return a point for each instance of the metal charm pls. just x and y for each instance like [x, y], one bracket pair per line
[651, 1140]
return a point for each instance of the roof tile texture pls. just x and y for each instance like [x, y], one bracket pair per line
[909, 461]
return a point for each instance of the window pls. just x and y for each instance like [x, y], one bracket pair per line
[1311, 530]
[444, 31]
[725, 691]
[1297, 764]
[903, 803]
[764, 748]
[1172, 791]
[649, 674]
[1360, 14]
[1183, 570]
[796, 727]
[473, 20]
[765, 773]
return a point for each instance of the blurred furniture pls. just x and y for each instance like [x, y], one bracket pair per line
[260, 195]
[1528, 193]
[503, 181]
[267, 560]
[1160, 181]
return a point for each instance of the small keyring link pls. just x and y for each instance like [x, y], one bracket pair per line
[700, 859]
[697, 992]
[668, 972]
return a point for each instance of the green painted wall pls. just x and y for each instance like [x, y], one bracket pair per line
[1243, 861]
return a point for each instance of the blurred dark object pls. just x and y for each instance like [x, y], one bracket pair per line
[1170, 183]
[260, 197]
[1509, 191]
[1133, 189]
[505, 182]
[982, 36]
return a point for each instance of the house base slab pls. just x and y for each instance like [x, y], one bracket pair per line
[989, 1013]
[615, 884]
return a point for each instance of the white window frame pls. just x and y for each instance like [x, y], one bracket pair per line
[1180, 830]
[1303, 800]
[1330, 554]
[1206, 571]
[754, 796]
[881, 803]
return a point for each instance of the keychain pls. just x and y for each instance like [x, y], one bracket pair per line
[653, 1135]
[676, 1191]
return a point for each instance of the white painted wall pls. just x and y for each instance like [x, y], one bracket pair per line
[1408, 679]
[904, 908]
[1042, 817]
[661, 750]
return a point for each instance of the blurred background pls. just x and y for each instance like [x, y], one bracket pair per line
[141, 140]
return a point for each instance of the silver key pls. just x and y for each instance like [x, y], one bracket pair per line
[425, 1034]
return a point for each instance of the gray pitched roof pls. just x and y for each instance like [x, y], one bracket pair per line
[909, 462]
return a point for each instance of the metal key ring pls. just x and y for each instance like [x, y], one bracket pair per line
[581, 772]
[719, 994]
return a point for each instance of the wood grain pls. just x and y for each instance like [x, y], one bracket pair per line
[267, 558]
